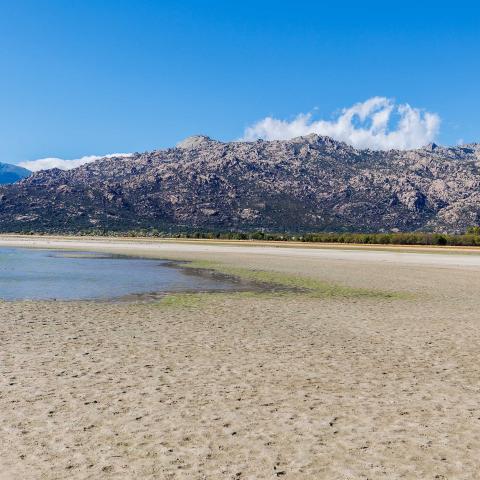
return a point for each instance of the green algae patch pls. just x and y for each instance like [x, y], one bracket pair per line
[181, 300]
[266, 284]
[196, 300]
[296, 284]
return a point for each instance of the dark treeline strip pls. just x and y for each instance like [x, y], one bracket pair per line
[470, 238]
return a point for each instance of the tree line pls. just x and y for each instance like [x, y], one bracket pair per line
[470, 238]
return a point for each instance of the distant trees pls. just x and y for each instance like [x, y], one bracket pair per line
[473, 230]
[470, 238]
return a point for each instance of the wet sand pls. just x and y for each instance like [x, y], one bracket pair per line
[250, 386]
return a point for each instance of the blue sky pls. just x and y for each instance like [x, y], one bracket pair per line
[96, 77]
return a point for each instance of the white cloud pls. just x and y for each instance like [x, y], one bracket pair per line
[53, 162]
[378, 123]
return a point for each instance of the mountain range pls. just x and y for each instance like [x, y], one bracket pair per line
[11, 173]
[310, 183]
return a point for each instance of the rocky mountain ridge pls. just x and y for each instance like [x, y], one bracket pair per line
[304, 184]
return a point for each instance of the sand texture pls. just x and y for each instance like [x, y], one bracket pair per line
[252, 386]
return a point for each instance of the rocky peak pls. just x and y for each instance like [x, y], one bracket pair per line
[320, 140]
[430, 147]
[195, 141]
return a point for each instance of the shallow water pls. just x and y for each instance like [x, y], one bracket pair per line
[45, 274]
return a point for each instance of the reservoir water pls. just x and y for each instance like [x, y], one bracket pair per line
[28, 274]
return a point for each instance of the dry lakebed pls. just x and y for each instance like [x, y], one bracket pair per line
[348, 363]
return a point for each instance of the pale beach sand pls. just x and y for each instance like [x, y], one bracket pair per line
[240, 386]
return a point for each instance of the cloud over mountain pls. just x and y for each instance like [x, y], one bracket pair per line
[378, 123]
[62, 164]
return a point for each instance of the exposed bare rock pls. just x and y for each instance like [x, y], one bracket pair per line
[307, 183]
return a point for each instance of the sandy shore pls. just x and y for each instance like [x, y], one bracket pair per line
[250, 386]
[435, 256]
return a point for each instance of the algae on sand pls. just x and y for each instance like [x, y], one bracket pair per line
[194, 300]
[291, 284]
